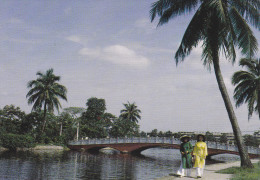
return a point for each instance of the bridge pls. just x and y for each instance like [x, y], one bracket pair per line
[137, 144]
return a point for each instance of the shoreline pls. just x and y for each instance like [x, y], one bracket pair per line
[210, 171]
[40, 148]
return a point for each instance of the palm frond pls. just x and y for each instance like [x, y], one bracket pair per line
[168, 9]
[246, 39]
[192, 35]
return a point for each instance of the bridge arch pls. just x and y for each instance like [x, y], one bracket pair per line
[138, 144]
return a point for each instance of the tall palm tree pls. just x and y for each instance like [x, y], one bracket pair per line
[248, 85]
[130, 113]
[220, 25]
[129, 119]
[45, 91]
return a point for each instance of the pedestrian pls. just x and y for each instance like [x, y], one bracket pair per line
[200, 152]
[186, 157]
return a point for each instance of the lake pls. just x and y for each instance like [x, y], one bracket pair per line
[152, 163]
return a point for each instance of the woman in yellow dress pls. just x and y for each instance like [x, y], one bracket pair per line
[200, 152]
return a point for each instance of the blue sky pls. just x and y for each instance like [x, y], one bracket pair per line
[110, 50]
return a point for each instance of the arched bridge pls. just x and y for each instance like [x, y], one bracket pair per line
[137, 144]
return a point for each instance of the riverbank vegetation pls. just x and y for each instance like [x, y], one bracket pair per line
[243, 173]
[19, 129]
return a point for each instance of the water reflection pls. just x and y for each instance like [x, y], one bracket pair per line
[29, 165]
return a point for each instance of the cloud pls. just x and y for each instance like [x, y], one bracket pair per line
[74, 38]
[117, 54]
[93, 53]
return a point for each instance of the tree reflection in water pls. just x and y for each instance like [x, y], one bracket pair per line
[33, 165]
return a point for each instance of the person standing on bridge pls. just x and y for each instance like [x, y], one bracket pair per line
[186, 157]
[200, 152]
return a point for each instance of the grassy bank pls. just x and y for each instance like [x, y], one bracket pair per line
[243, 173]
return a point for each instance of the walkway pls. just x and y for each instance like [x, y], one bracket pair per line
[210, 172]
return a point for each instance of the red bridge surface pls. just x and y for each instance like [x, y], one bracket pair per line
[136, 148]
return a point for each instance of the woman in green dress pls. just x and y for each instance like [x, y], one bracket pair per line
[186, 149]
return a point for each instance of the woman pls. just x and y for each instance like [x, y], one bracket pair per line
[186, 158]
[200, 152]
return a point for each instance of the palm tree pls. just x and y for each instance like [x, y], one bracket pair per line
[248, 85]
[45, 91]
[220, 25]
[130, 113]
[129, 119]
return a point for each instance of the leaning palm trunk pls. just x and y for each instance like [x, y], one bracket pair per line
[245, 161]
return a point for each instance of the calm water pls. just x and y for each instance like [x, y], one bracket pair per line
[153, 163]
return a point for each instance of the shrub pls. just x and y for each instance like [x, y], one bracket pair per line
[14, 141]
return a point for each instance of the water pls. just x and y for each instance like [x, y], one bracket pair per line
[54, 165]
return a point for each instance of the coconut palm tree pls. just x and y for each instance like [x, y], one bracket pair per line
[220, 25]
[130, 113]
[129, 119]
[248, 85]
[45, 91]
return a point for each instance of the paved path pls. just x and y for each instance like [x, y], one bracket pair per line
[209, 172]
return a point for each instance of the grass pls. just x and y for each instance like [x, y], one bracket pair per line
[243, 173]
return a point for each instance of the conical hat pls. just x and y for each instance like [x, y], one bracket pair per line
[185, 136]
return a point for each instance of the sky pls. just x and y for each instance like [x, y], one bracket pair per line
[111, 50]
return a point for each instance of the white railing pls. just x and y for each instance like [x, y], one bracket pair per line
[160, 140]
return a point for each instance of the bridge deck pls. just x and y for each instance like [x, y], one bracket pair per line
[137, 144]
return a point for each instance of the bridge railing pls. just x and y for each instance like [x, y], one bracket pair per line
[160, 140]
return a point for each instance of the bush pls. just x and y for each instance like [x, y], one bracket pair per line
[14, 141]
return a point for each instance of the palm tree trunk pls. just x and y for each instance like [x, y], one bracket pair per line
[61, 129]
[44, 117]
[245, 161]
[78, 131]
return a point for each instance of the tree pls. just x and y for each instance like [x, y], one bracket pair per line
[143, 134]
[210, 137]
[130, 112]
[223, 138]
[168, 134]
[248, 85]
[45, 91]
[129, 117]
[95, 121]
[251, 140]
[220, 25]
[75, 112]
[11, 118]
[154, 133]
[160, 134]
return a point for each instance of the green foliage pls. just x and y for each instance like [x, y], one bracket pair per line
[143, 134]
[243, 173]
[11, 118]
[251, 140]
[127, 123]
[210, 136]
[153, 133]
[247, 84]
[168, 134]
[14, 141]
[95, 122]
[223, 138]
[46, 92]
